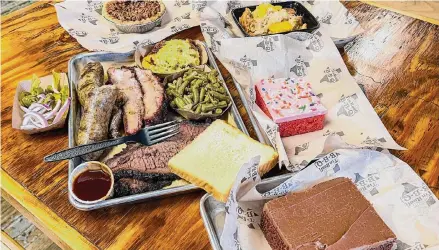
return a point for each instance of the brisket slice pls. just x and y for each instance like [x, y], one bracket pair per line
[151, 162]
[128, 186]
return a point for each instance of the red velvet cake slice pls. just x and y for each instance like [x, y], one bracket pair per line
[332, 215]
[291, 104]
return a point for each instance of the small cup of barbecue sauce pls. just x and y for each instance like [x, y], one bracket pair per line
[91, 182]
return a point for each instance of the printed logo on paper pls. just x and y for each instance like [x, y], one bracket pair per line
[348, 105]
[112, 39]
[233, 4]
[350, 19]
[328, 162]
[148, 42]
[84, 18]
[300, 68]
[199, 5]
[248, 62]
[251, 173]
[301, 148]
[272, 131]
[375, 141]
[94, 6]
[282, 189]
[315, 42]
[179, 28]
[267, 43]
[211, 31]
[184, 16]
[328, 133]
[296, 167]
[331, 75]
[414, 196]
[325, 19]
[403, 246]
[236, 240]
[248, 216]
[276, 1]
[180, 3]
[367, 184]
[229, 201]
[77, 33]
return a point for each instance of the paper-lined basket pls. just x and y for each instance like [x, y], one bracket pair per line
[17, 113]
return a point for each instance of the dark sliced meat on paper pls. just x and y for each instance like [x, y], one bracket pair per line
[133, 109]
[153, 96]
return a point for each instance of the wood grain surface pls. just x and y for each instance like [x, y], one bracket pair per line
[424, 10]
[396, 60]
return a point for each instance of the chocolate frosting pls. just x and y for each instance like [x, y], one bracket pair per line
[331, 215]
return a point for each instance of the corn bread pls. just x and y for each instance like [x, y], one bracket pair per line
[213, 160]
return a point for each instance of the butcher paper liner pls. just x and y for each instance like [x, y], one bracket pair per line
[399, 196]
[83, 20]
[307, 57]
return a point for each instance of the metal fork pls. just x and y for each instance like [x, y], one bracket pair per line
[147, 136]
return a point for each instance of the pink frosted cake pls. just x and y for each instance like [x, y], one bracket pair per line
[291, 104]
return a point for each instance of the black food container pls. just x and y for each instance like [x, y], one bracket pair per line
[308, 18]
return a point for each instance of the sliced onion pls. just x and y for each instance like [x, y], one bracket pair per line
[40, 106]
[34, 122]
[25, 110]
[40, 118]
[41, 97]
[61, 112]
[53, 112]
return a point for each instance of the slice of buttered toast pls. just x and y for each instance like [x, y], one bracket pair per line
[212, 161]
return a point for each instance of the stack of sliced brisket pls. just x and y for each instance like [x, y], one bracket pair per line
[140, 168]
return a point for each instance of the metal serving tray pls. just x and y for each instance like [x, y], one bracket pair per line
[259, 133]
[213, 212]
[123, 58]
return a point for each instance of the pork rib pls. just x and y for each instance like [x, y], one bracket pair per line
[133, 109]
[153, 96]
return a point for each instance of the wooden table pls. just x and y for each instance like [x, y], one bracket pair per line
[396, 59]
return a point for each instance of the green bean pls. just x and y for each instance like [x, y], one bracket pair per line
[182, 87]
[202, 93]
[198, 110]
[196, 92]
[179, 102]
[173, 104]
[187, 99]
[179, 82]
[218, 111]
[210, 106]
[219, 96]
[212, 78]
[190, 77]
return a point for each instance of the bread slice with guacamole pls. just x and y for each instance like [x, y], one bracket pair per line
[172, 56]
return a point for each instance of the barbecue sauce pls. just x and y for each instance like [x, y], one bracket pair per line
[91, 185]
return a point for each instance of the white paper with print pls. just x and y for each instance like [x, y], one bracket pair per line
[83, 21]
[310, 57]
[399, 196]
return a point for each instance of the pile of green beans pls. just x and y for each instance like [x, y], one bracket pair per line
[198, 91]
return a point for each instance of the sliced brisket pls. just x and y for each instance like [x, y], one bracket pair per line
[128, 186]
[150, 163]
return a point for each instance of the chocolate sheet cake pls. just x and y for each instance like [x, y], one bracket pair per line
[332, 215]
